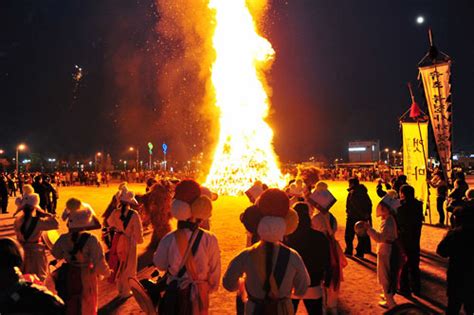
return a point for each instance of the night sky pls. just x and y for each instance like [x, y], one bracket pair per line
[340, 74]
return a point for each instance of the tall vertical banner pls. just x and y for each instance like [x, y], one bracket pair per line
[437, 89]
[415, 140]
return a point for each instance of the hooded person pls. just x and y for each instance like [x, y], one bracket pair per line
[29, 226]
[273, 271]
[128, 234]
[189, 254]
[324, 222]
[77, 279]
[388, 257]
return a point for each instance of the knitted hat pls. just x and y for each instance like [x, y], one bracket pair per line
[391, 203]
[188, 202]
[250, 218]
[83, 218]
[181, 210]
[271, 217]
[273, 202]
[187, 190]
[271, 228]
[291, 220]
[202, 208]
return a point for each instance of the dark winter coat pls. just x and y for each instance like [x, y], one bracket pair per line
[457, 246]
[358, 204]
[410, 219]
[313, 247]
[3, 187]
[40, 189]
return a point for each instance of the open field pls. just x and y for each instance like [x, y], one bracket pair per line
[359, 289]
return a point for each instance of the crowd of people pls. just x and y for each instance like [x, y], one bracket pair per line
[292, 253]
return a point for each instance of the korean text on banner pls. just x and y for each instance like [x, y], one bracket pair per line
[414, 163]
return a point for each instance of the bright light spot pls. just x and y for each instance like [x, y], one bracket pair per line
[420, 20]
[357, 149]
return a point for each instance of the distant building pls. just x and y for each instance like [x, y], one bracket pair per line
[364, 151]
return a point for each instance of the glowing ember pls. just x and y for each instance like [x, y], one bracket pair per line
[244, 152]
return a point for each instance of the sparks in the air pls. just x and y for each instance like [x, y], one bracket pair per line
[244, 152]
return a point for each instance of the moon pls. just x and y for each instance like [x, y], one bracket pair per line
[420, 20]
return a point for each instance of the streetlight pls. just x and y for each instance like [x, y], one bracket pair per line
[20, 147]
[387, 151]
[96, 159]
[131, 149]
[1, 151]
[52, 160]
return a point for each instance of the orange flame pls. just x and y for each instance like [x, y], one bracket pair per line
[244, 152]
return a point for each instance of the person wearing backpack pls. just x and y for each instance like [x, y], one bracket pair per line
[273, 271]
[190, 255]
[29, 227]
[77, 279]
[128, 234]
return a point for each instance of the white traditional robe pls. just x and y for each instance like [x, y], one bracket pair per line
[207, 259]
[388, 233]
[35, 261]
[128, 246]
[92, 262]
[296, 277]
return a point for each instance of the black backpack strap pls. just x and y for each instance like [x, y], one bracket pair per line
[193, 251]
[79, 245]
[196, 242]
[281, 264]
[127, 219]
[27, 232]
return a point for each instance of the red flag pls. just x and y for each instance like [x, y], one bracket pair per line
[415, 110]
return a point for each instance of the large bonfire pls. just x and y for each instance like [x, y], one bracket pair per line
[244, 152]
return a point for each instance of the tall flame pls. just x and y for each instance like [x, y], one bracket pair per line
[244, 152]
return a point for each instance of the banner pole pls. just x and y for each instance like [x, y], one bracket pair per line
[428, 207]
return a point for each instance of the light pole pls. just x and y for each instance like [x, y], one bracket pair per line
[137, 151]
[388, 156]
[394, 152]
[97, 156]
[20, 147]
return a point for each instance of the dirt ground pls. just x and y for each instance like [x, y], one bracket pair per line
[360, 290]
